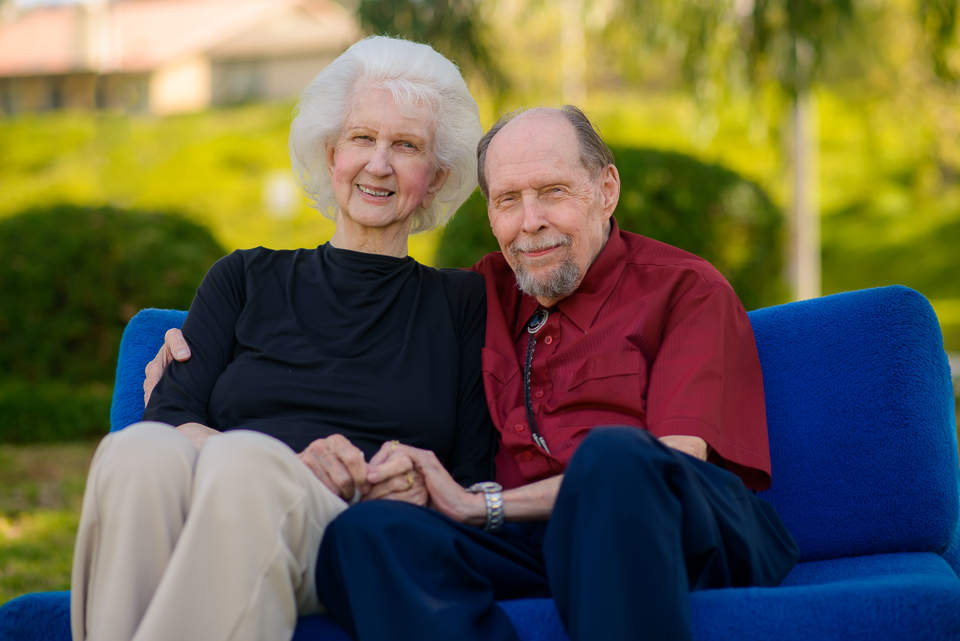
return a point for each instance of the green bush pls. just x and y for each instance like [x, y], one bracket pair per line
[53, 411]
[71, 277]
[705, 209]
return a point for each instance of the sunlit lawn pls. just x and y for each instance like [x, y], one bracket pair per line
[41, 488]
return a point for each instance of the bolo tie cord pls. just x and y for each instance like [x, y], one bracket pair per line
[537, 321]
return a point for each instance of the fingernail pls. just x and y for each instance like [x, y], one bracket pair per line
[182, 354]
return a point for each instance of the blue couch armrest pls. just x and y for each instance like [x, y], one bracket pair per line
[141, 341]
[861, 421]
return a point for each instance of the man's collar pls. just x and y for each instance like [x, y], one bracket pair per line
[583, 305]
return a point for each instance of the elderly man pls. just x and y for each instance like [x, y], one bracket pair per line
[624, 380]
[587, 326]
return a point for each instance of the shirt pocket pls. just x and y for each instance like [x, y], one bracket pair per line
[615, 380]
[498, 373]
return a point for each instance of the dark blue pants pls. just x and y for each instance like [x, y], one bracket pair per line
[636, 526]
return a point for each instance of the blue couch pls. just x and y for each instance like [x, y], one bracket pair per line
[863, 441]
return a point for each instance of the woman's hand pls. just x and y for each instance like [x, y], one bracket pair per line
[197, 433]
[394, 477]
[339, 464]
[174, 348]
[445, 494]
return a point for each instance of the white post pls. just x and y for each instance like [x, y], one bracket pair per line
[805, 223]
[573, 52]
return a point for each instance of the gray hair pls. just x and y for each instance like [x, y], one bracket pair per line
[417, 76]
[594, 153]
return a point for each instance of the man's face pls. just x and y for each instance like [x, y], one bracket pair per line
[549, 213]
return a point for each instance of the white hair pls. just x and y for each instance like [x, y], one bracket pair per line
[418, 77]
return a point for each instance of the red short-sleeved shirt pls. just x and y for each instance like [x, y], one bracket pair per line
[653, 337]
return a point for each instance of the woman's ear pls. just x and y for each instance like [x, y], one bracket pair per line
[438, 181]
[330, 152]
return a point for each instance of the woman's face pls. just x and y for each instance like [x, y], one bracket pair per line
[382, 167]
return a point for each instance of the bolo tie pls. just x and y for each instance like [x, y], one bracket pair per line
[534, 325]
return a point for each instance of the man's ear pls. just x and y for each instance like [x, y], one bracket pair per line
[609, 190]
[438, 181]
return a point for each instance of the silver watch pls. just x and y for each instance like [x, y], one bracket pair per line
[493, 497]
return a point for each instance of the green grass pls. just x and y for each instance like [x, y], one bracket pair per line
[41, 489]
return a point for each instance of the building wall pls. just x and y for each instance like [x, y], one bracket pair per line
[237, 81]
[45, 93]
[82, 91]
[129, 93]
[188, 85]
[19, 95]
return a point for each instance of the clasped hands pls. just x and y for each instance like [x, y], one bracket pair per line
[390, 474]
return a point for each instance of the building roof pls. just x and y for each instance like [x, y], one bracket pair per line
[141, 35]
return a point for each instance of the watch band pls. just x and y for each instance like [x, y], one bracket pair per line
[493, 499]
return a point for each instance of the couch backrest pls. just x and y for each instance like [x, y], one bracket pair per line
[861, 420]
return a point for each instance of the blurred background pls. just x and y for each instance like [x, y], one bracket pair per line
[805, 147]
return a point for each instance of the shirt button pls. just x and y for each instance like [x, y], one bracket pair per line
[527, 456]
[540, 394]
[548, 340]
[518, 427]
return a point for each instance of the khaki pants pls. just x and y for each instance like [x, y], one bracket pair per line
[176, 544]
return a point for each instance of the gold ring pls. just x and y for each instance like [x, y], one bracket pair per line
[393, 445]
[409, 480]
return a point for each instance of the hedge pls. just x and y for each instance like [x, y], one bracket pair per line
[71, 277]
[705, 209]
[53, 411]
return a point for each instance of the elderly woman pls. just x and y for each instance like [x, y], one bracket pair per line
[308, 367]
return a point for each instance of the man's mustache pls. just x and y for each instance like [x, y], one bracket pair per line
[539, 243]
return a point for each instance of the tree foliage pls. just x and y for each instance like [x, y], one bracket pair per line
[705, 209]
[789, 37]
[938, 19]
[455, 28]
[783, 41]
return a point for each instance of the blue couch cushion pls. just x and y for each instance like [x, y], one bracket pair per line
[42, 616]
[889, 596]
[859, 398]
[901, 607]
[45, 616]
[918, 598]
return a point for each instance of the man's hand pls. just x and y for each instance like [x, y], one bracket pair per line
[174, 348]
[446, 495]
[339, 464]
[692, 445]
[396, 477]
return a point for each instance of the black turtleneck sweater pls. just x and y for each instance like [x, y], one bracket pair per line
[307, 343]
